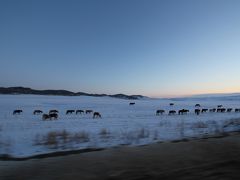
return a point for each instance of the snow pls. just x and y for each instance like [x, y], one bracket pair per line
[27, 134]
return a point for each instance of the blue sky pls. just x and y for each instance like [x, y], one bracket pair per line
[150, 47]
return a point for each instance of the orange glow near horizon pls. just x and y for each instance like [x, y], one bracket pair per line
[196, 92]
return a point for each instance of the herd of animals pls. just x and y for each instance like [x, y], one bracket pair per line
[53, 114]
[198, 110]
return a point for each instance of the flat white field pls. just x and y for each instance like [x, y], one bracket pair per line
[27, 134]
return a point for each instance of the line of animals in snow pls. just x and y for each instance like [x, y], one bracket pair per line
[197, 111]
[53, 114]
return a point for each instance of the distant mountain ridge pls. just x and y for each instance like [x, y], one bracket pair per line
[25, 90]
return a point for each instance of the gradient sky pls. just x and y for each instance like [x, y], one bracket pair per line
[150, 47]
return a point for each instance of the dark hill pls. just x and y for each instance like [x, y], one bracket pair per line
[24, 90]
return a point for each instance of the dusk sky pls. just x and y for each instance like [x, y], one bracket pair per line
[150, 47]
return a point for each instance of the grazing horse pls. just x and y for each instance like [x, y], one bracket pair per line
[229, 110]
[212, 110]
[96, 115]
[88, 111]
[53, 111]
[70, 111]
[17, 112]
[172, 112]
[197, 111]
[37, 112]
[49, 116]
[45, 117]
[132, 103]
[79, 111]
[222, 110]
[158, 112]
[171, 104]
[183, 111]
[237, 110]
[53, 115]
[197, 105]
[204, 110]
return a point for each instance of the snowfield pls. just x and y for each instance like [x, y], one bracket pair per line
[26, 134]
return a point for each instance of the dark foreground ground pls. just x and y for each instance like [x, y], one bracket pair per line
[213, 158]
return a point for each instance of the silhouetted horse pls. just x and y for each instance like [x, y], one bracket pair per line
[222, 110]
[17, 112]
[197, 111]
[49, 116]
[212, 110]
[53, 111]
[96, 115]
[183, 111]
[197, 105]
[88, 111]
[53, 115]
[229, 110]
[237, 110]
[37, 112]
[79, 111]
[158, 112]
[172, 112]
[70, 111]
[204, 110]
[171, 104]
[45, 117]
[132, 103]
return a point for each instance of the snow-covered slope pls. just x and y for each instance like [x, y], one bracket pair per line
[26, 134]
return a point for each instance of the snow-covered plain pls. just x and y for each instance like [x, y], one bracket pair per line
[27, 134]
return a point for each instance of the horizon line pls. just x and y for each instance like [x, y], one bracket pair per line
[150, 96]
